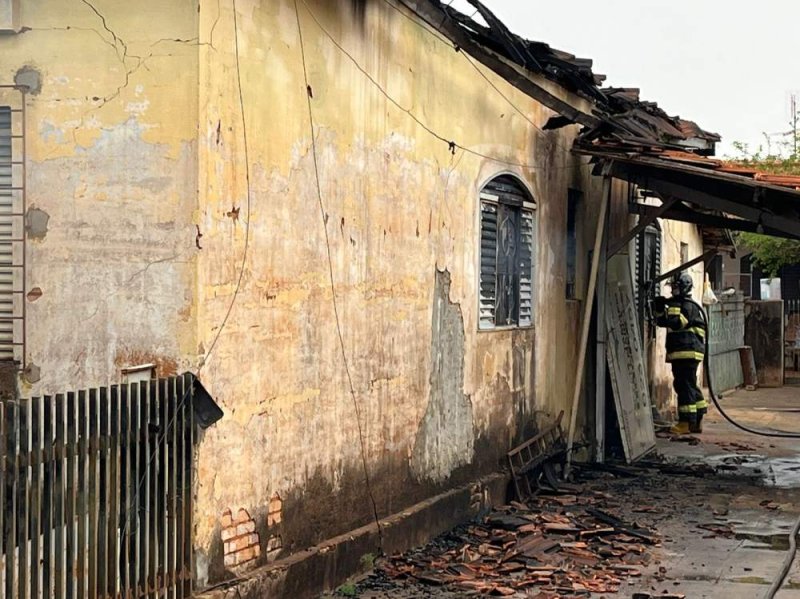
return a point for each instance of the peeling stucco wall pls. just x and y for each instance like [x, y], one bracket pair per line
[111, 129]
[142, 219]
[445, 437]
[398, 208]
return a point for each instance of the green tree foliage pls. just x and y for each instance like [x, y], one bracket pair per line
[779, 157]
[770, 254]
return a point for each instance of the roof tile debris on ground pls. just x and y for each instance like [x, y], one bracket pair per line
[559, 546]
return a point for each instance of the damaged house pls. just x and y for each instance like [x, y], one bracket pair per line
[367, 227]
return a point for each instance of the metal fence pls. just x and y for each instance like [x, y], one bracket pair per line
[96, 492]
[726, 336]
[791, 312]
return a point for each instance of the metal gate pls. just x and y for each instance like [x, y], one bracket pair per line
[96, 492]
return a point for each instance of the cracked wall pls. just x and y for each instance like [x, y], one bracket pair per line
[111, 184]
[398, 207]
[137, 158]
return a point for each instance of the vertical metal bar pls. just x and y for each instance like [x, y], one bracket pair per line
[35, 514]
[45, 557]
[180, 427]
[13, 412]
[127, 513]
[71, 495]
[134, 522]
[153, 468]
[143, 486]
[60, 493]
[5, 478]
[172, 423]
[114, 491]
[102, 491]
[82, 465]
[94, 449]
[164, 486]
[25, 493]
[190, 487]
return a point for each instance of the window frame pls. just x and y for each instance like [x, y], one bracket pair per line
[527, 205]
[574, 201]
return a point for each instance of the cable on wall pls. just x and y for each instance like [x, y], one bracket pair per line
[323, 216]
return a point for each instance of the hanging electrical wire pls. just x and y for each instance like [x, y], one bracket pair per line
[324, 218]
[188, 393]
[440, 37]
[452, 144]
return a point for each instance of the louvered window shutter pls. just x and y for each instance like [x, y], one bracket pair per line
[507, 242]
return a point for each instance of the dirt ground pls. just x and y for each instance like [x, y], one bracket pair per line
[721, 508]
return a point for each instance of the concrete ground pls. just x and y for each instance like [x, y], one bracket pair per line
[755, 492]
[723, 516]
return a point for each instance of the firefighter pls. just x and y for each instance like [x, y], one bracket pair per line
[686, 344]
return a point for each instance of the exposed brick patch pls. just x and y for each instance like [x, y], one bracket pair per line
[275, 513]
[240, 539]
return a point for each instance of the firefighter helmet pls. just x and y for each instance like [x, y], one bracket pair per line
[683, 285]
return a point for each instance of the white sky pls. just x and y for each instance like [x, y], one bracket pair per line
[729, 65]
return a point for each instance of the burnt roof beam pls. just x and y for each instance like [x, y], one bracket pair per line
[773, 209]
[759, 216]
[517, 76]
[643, 223]
[507, 39]
[705, 257]
[709, 220]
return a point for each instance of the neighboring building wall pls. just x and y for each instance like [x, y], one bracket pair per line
[111, 186]
[401, 214]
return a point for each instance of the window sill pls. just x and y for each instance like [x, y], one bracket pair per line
[506, 329]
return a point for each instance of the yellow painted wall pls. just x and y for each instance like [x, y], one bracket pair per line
[137, 144]
[112, 162]
[398, 206]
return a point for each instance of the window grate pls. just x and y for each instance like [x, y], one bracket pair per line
[6, 226]
[507, 242]
[12, 225]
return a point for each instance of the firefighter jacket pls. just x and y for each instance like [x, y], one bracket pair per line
[686, 329]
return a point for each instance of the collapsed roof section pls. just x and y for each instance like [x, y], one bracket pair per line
[669, 155]
[618, 115]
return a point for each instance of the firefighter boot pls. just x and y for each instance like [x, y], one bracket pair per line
[682, 428]
[696, 427]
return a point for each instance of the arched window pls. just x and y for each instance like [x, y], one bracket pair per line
[508, 239]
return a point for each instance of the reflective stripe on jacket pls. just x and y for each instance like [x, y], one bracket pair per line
[686, 330]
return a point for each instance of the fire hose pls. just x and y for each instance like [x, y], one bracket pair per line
[791, 553]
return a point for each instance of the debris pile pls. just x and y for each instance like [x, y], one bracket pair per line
[554, 546]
